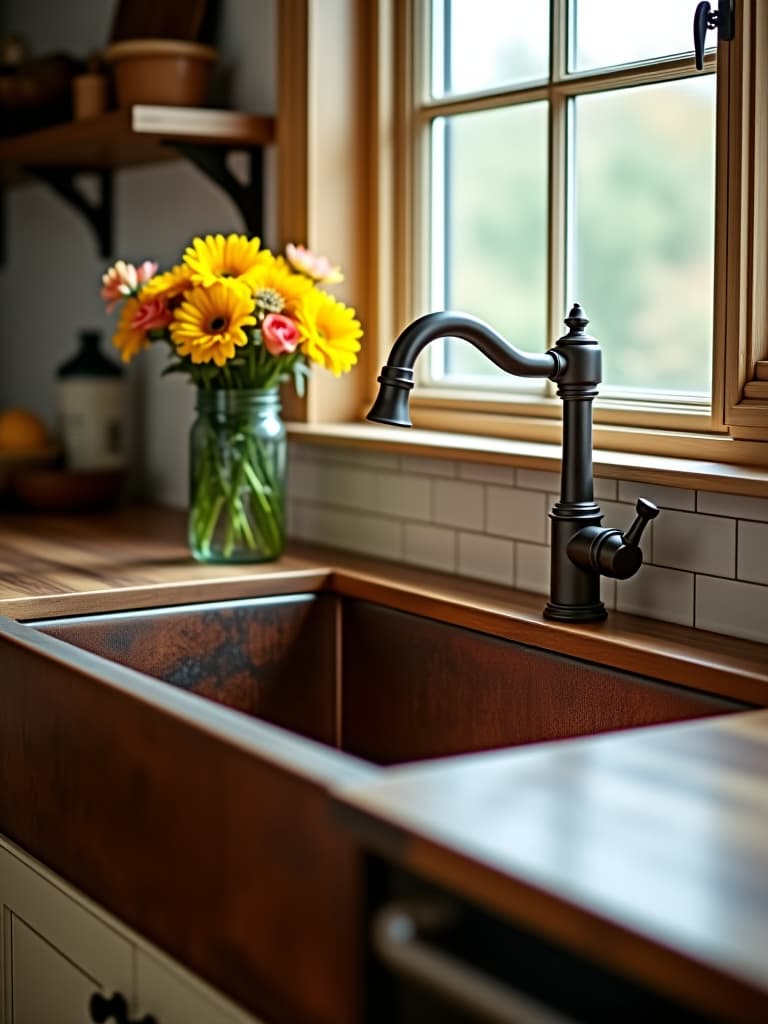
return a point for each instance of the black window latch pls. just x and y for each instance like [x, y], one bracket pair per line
[723, 19]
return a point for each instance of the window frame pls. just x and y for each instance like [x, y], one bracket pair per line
[374, 40]
[737, 409]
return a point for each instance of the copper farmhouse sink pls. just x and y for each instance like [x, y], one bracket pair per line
[385, 685]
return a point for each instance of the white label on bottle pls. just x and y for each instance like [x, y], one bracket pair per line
[91, 421]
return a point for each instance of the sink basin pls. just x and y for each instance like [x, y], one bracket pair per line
[385, 685]
[212, 833]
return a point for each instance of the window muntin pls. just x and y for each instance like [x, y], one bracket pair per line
[660, 350]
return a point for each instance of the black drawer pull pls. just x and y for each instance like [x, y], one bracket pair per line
[398, 931]
[115, 1008]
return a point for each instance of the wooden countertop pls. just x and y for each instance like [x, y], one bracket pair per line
[138, 558]
[646, 851]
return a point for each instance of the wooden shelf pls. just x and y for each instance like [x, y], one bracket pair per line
[130, 136]
[141, 134]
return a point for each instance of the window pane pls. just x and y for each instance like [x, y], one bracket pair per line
[488, 44]
[490, 198]
[644, 231]
[605, 33]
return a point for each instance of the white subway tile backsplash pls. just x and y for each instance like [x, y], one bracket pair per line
[617, 514]
[428, 467]
[707, 568]
[606, 489]
[686, 540]
[519, 514]
[459, 503]
[297, 450]
[487, 558]
[532, 568]
[351, 530]
[403, 494]
[664, 497]
[486, 472]
[357, 457]
[536, 480]
[431, 546]
[753, 552]
[736, 505]
[730, 606]
[347, 486]
[608, 590]
[302, 479]
[659, 594]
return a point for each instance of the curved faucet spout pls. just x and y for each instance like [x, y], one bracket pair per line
[396, 379]
[432, 326]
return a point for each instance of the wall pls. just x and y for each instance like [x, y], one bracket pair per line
[706, 555]
[49, 286]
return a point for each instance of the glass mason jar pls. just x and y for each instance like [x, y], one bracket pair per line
[237, 477]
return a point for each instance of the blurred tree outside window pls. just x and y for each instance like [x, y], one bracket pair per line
[603, 123]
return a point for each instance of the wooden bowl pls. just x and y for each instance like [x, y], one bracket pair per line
[14, 462]
[164, 71]
[67, 490]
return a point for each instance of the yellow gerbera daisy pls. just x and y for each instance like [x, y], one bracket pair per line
[168, 286]
[329, 331]
[277, 289]
[128, 339]
[209, 323]
[215, 257]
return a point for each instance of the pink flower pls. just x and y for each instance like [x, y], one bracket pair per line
[151, 315]
[317, 267]
[123, 279]
[280, 334]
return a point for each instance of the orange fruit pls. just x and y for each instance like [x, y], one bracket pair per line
[22, 431]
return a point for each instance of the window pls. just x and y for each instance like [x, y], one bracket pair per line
[569, 151]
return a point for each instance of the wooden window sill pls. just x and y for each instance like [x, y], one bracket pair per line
[693, 474]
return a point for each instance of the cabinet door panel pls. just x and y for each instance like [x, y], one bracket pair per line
[173, 996]
[84, 939]
[47, 987]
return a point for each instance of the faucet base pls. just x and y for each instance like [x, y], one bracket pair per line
[575, 612]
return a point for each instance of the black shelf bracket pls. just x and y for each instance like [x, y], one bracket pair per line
[98, 213]
[212, 161]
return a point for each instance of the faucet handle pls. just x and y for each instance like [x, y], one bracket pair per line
[611, 552]
[646, 511]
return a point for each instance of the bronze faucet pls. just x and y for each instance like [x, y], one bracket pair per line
[581, 549]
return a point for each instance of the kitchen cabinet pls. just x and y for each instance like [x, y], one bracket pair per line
[440, 959]
[58, 950]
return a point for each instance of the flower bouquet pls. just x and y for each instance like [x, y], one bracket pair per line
[238, 321]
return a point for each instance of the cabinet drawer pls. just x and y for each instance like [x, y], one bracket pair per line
[487, 968]
[35, 902]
